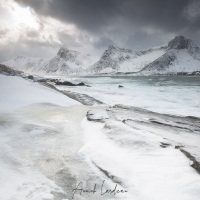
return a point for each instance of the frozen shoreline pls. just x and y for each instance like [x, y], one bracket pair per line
[182, 148]
[135, 148]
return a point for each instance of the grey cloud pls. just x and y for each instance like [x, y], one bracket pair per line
[133, 24]
[32, 34]
[97, 17]
[15, 49]
[68, 40]
[94, 15]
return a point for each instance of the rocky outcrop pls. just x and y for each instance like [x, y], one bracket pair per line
[9, 71]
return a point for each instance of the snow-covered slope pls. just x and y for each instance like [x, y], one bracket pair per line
[182, 56]
[116, 59]
[29, 65]
[69, 61]
[65, 62]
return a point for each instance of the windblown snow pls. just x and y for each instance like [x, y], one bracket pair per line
[49, 143]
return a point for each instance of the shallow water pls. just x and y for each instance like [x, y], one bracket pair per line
[178, 95]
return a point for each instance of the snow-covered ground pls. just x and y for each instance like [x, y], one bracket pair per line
[47, 145]
[40, 137]
[30, 134]
[17, 93]
[134, 152]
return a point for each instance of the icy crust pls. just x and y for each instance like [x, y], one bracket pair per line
[145, 150]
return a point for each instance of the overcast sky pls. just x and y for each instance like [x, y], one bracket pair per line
[38, 28]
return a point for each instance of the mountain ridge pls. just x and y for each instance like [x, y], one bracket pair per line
[180, 55]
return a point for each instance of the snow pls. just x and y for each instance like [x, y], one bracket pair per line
[184, 63]
[65, 62]
[136, 158]
[181, 61]
[28, 65]
[138, 63]
[179, 55]
[14, 88]
[173, 95]
[40, 135]
[31, 116]
[47, 145]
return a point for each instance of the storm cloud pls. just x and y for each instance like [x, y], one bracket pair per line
[134, 24]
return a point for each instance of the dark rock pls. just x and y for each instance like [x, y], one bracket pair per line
[179, 42]
[108, 174]
[195, 164]
[30, 77]
[164, 145]
[178, 146]
[42, 80]
[66, 83]
[9, 71]
[81, 84]
[120, 86]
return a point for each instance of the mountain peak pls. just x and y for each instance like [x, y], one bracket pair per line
[63, 52]
[111, 47]
[67, 53]
[179, 42]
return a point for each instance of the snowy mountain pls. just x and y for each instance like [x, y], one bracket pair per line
[65, 62]
[181, 56]
[116, 59]
[69, 61]
[29, 65]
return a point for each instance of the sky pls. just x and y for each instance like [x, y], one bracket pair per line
[38, 28]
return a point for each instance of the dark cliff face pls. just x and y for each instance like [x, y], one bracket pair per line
[179, 42]
[67, 54]
[63, 52]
